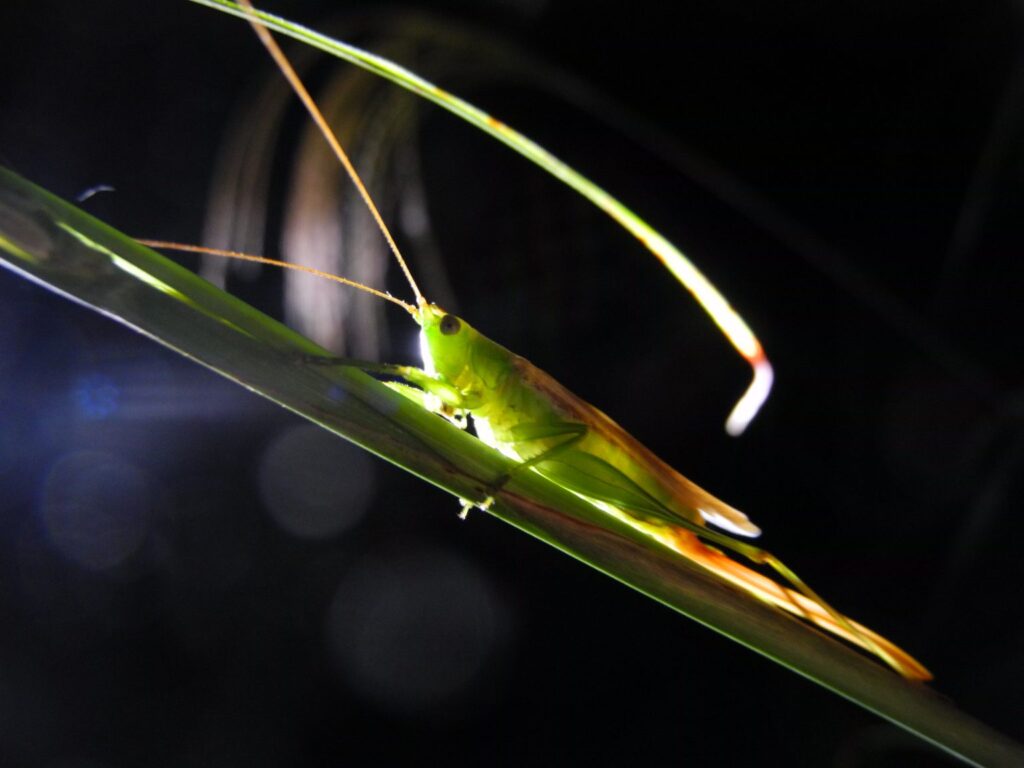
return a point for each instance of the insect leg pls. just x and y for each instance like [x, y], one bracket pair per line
[448, 394]
[569, 432]
[597, 479]
[763, 557]
[432, 403]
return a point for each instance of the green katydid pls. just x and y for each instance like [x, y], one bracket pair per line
[527, 415]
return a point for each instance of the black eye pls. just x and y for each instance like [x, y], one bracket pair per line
[450, 325]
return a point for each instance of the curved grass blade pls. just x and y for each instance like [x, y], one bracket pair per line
[732, 326]
[61, 248]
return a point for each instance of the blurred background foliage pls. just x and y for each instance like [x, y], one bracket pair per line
[192, 575]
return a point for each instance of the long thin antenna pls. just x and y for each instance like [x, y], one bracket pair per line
[711, 300]
[300, 90]
[276, 263]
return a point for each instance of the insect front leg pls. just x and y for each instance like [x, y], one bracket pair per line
[459, 417]
[431, 393]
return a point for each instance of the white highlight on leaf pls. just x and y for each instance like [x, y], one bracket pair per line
[748, 405]
[721, 521]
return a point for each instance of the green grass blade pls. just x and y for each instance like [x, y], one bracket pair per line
[733, 327]
[54, 244]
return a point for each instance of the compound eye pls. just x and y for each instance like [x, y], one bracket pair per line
[450, 325]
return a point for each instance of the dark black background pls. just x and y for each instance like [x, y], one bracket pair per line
[848, 174]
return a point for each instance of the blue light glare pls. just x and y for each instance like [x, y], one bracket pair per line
[337, 393]
[96, 396]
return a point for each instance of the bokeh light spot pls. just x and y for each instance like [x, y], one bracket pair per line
[96, 396]
[315, 484]
[414, 631]
[95, 508]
